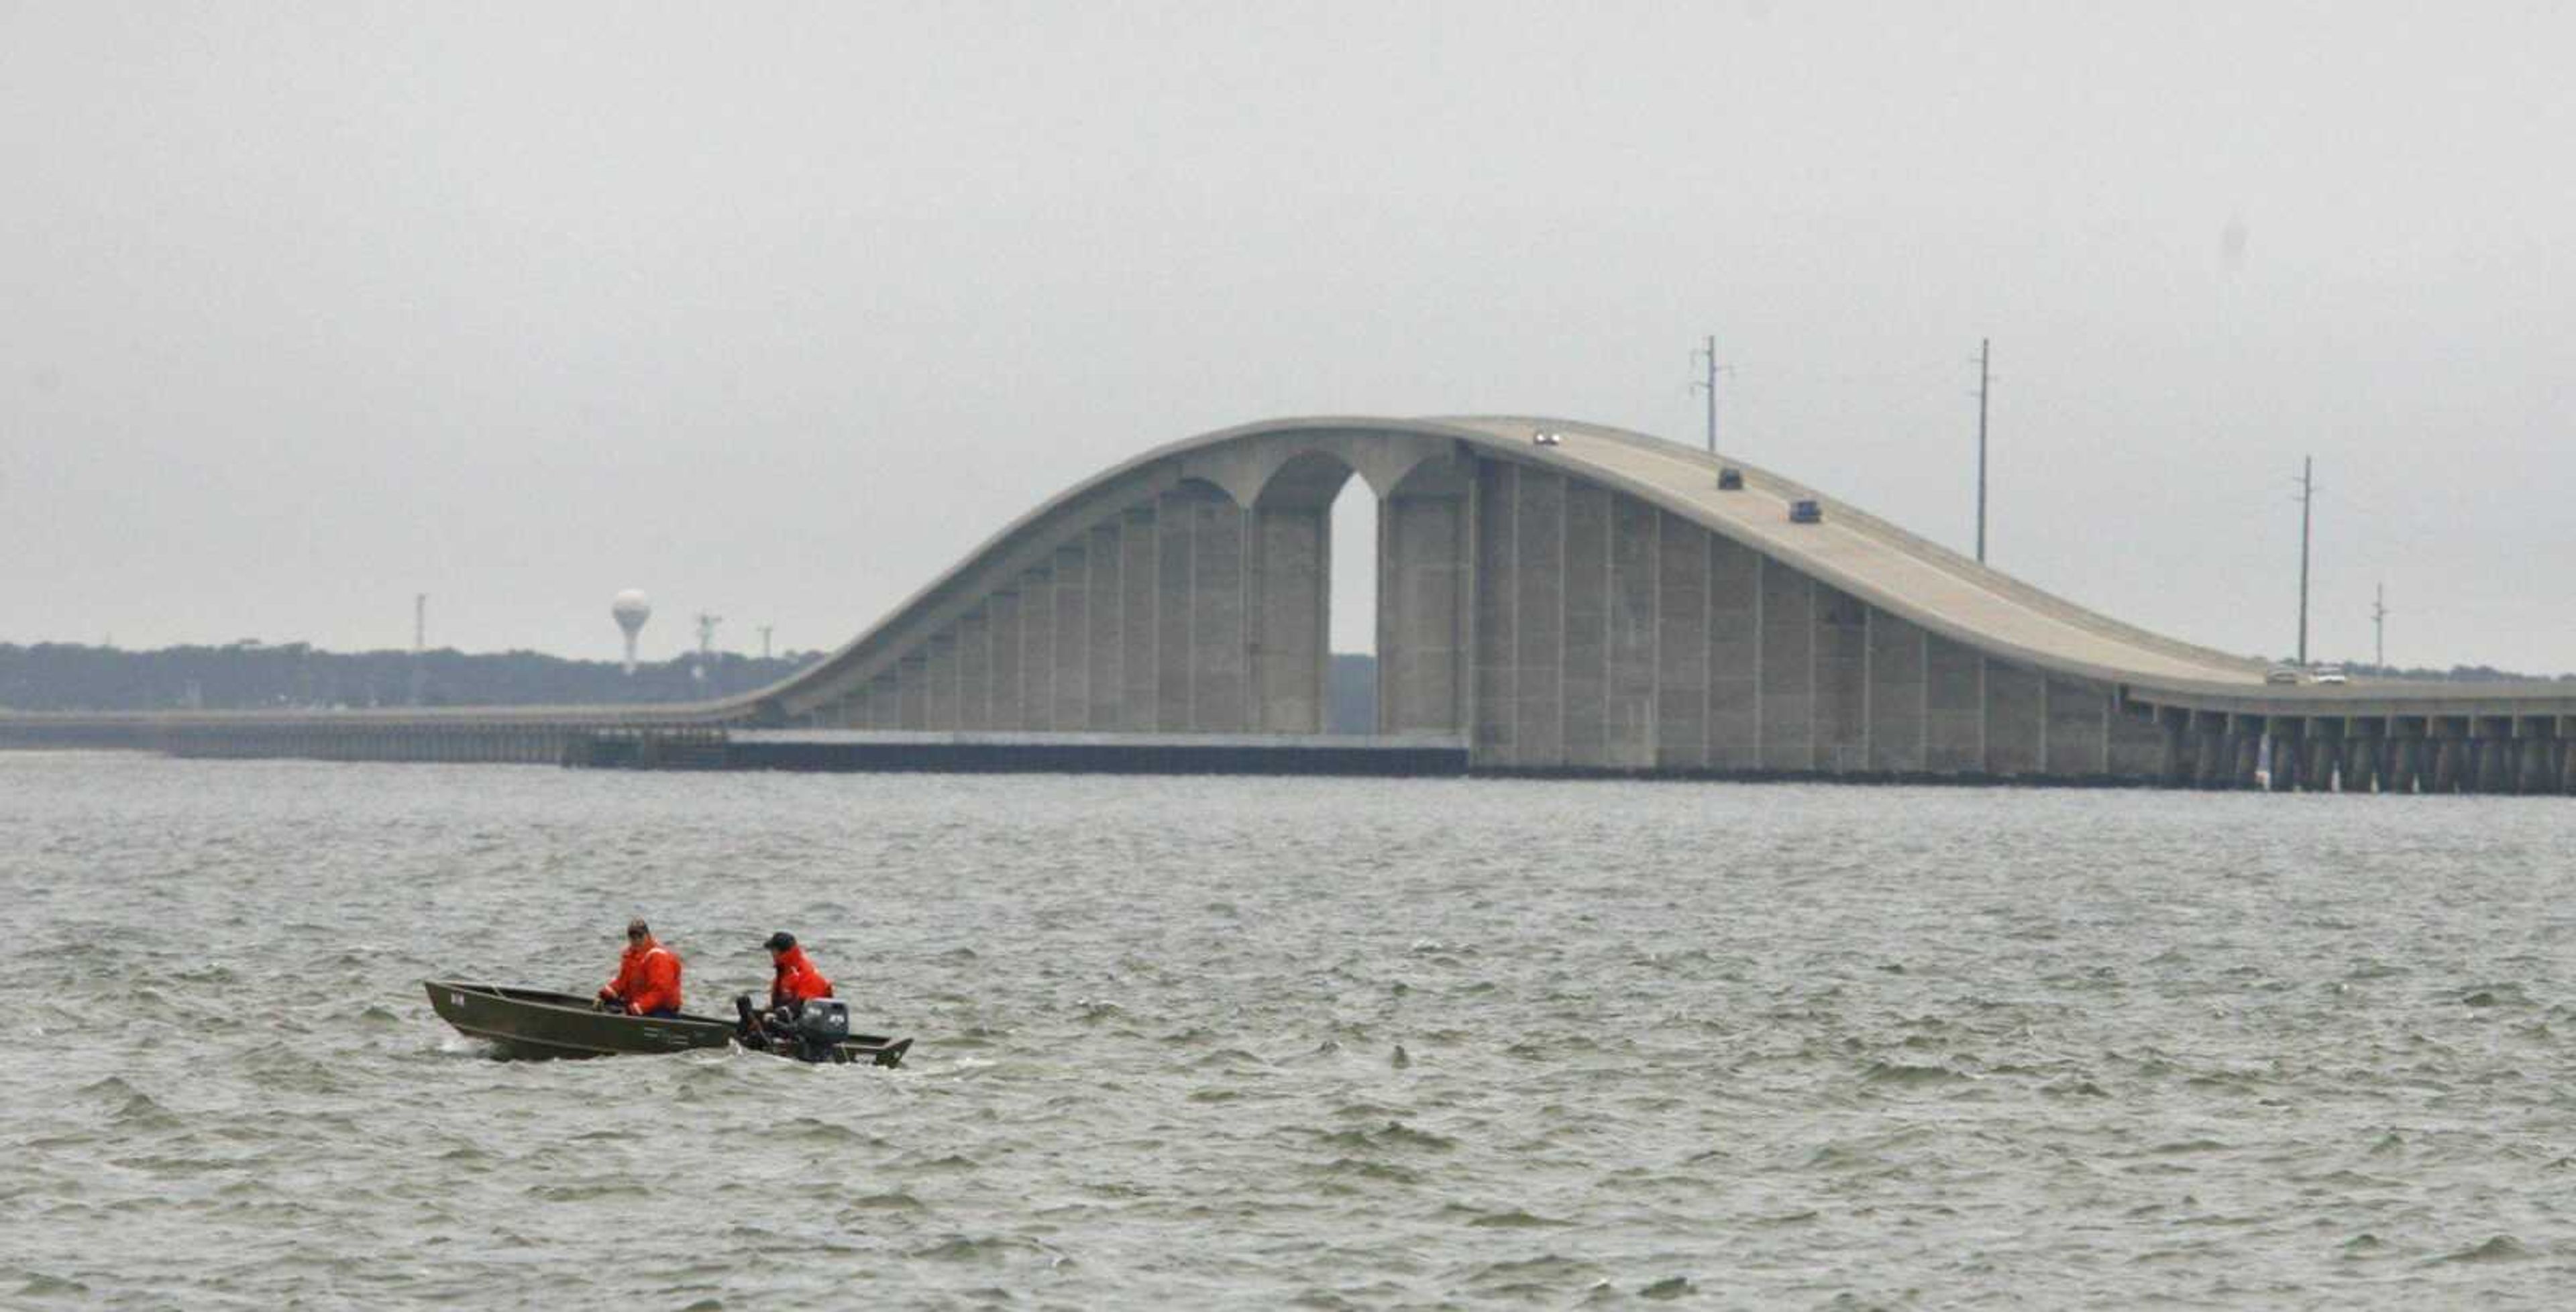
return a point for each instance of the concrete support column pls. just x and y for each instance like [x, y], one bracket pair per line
[2447, 751]
[1292, 594]
[2405, 758]
[974, 671]
[1103, 610]
[2213, 753]
[2494, 754]
[1070, 705]
[912, 692]
[2174, 764]
[2325, 755]
[2362, 753]
[2289, 755]
[1139, 554]
[939, 671]
[1422, 603]
[1002, 666]
[2248, 733]
[1037, 649]
[1176, 518]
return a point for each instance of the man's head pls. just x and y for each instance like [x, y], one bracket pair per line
[780, 942]
[637, 931]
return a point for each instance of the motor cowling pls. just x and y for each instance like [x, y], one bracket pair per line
[823, 1022]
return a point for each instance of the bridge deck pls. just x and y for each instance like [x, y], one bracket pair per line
[1888, 568]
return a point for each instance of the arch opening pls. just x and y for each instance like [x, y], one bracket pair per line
[1316, 564]
[1352, 616]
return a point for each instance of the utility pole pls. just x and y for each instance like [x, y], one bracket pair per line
[764, 641]
[2307, 502]
[706, 643]
[419, 646]
[1985, 380]
[2379, 627]
[1706, 357]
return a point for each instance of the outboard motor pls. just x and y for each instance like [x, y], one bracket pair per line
[821, 1027]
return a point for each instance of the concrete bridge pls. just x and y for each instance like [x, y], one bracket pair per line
[1554, 597]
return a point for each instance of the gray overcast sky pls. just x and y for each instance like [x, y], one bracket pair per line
[774, 311]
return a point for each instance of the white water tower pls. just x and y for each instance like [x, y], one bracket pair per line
[631, 608]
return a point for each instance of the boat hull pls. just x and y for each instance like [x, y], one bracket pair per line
[536, 1024]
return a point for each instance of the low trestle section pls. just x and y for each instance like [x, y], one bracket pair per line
[2386, 748]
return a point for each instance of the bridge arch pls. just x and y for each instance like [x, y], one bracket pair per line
[1558, 595]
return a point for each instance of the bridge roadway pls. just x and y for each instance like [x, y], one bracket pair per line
[1594, 603]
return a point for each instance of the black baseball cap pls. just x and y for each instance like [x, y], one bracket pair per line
[780, 941]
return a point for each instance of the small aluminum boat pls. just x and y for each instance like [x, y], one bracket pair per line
[536, 1023]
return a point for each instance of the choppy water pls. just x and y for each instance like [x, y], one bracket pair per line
[1261, 1043]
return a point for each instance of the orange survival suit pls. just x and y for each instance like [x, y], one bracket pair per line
[648, 978]
[796, 980]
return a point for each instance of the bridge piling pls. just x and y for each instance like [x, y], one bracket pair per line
[2325, 755]
[2215, 753]
[2248, 732]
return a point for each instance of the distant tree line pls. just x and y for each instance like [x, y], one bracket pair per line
[251, 675]
[2455, 674]
[254, 676]
[50, 676]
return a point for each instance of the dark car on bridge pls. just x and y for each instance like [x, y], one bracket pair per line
[1806, 511]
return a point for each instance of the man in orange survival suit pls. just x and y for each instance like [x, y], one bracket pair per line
[793, 980]
[648, 976]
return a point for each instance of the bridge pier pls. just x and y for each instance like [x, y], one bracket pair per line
[2318, 770]
[2173, 764]
[1291, 571]
[2214, 754]
[2539, 765]
[2365, 755]
[2295, 748]
[2406, 761]
[2450, 748]
[2492, 751]
[2245, 754]
[1426, 580]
